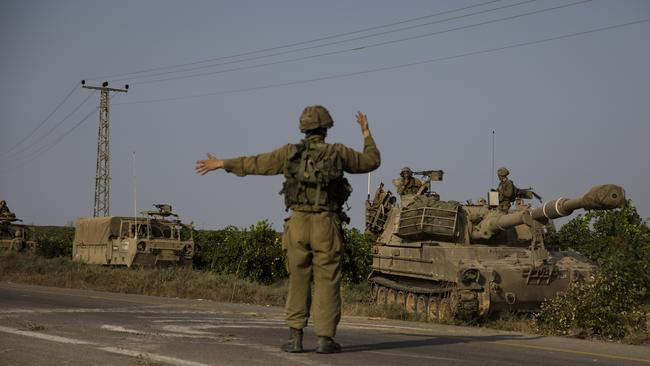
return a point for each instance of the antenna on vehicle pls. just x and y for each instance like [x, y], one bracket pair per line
[492, 171]
[368, 186]
[135, 201]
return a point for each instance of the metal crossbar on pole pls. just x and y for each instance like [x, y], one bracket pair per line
[101, 205]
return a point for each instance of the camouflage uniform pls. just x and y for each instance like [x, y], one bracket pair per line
[4, 210]
[312, 238]
[506, 190]
[408, 184]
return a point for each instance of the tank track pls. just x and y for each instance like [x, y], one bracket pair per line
[441, 303]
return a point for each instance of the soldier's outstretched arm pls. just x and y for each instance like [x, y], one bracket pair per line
[208, 165]
[361, 162]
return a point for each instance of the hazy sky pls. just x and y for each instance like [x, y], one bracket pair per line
[569, 112]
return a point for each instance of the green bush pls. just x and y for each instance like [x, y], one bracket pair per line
[613, 305]
[356, 258]
[54, 241]
[254, 253]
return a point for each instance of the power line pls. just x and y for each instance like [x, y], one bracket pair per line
[51, 129]
[298, 43]
[394, 67]
[46, 148]
[384, 43]
[42, 122]
[329, 44]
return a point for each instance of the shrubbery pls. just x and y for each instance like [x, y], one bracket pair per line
[615, 304]
[54, 241]
[256, 253]
[357, 258]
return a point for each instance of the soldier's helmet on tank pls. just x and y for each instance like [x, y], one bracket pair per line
[406, 170]
[503, 172]
[315, 116]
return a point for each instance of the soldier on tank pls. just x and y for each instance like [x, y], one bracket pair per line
[4, 210]
[408, 184]
[315, 190]
[506, 190]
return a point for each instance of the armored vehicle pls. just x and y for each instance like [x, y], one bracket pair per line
[150, 240]
[14, 236]
[447, 260]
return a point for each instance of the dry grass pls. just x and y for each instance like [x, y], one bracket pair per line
[168, 282]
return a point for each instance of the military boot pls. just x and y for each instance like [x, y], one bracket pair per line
[294, 344]
[327, 345]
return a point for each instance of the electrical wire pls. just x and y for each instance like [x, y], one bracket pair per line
[393, 67]
[384, 43]
[42, 122]
[53, 128]
[46, 148]
[333, 43]
[298, 43]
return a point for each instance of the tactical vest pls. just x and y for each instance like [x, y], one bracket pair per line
[314, 178]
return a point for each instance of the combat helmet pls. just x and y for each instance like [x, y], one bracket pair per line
[313, 117]
[405, 170]
[503, 172]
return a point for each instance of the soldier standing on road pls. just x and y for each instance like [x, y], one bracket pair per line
[315, 190]
[408, 184]
[506, 190]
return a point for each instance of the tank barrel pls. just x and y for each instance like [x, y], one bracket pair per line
[602, 197]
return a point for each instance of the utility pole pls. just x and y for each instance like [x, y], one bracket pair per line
[102, 174]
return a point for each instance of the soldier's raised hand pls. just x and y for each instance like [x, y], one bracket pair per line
[362, 120]
[207, 165]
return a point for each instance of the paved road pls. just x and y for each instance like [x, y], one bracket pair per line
[52, 326]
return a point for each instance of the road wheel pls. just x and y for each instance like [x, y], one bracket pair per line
[382, 292]
[445, 313]
[373, 291]
[400, 299]
[421, 305]
[411, 303]
[432, 309]
[390, 296]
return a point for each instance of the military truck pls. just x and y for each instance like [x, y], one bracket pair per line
[446, 260]
[150, 240]
[14, 236]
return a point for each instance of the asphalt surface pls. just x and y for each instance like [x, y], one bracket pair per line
[53, 326]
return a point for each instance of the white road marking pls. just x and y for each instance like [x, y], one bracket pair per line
[156, 357]
[121, 329]
[412, 355]
[139, 310]
[122, 351]
[47, 337]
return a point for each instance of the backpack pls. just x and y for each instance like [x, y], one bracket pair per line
[314, 176]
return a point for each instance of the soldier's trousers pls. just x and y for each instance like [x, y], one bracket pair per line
[313, 243]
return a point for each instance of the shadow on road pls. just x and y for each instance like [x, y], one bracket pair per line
[431, 341]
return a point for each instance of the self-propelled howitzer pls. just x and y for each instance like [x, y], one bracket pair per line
[450, 260]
